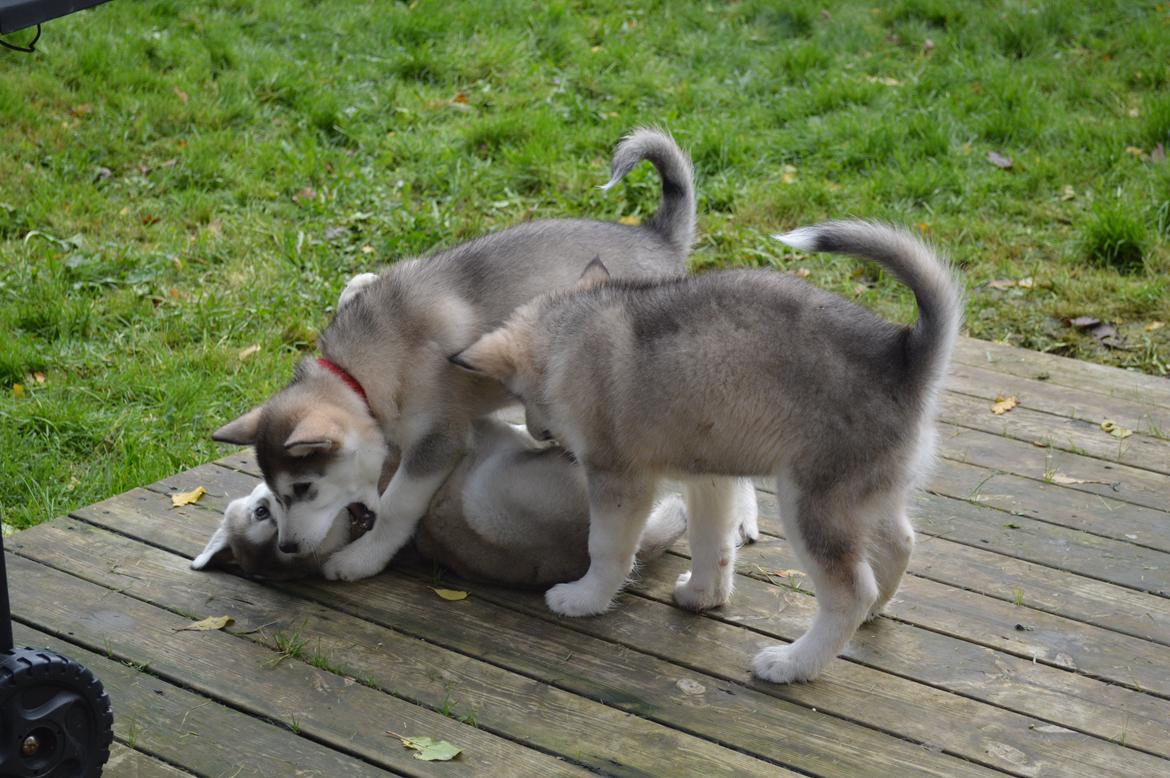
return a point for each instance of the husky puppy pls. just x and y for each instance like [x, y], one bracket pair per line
[512, 513]
[384, 378]
[742, 373]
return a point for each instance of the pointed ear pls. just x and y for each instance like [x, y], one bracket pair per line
[492, 355]
[316, 432]
[217, 552]
[242, 431]
[595, 273]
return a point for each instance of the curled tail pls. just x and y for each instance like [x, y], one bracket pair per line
[675, 219]
[930, 277]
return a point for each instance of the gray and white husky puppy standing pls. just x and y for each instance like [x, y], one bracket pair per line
[743, 373]
[384, 377]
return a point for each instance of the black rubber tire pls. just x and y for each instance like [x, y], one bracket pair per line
[62, 706]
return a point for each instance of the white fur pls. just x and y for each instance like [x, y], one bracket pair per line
[802, 238]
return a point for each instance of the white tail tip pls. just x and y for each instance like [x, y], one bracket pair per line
[803, 238]
[609, 184]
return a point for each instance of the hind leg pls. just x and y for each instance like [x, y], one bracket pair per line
[618, 510]
[830, 543]
[889, 555]
[712, 529]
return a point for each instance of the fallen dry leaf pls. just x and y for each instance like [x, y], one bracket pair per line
[452, 595]
[1083, 322]
[460, 98]
[209, 624]
[1026, 283]
[883, 80]
[249, 351]
[1116, 430]
[633, 221]
[183, 96]
[1068, 193]
[999, 160]
[802, 272]
[1134, 151]
[304, 195]
[39, 377]
[1154, 325]
[428, 749]
[788, 174]
[18, 390]
[179, 499]
[1003, 404]
[1001, 283]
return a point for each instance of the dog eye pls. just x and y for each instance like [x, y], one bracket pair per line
[300, 490]
[261, 513]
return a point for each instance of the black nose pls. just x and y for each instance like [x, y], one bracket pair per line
[289, 547]
[546, 435]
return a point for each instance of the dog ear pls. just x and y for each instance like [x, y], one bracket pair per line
[595, 273]
[242, 431]
[315, 432]
[217, 552]
[492, 355]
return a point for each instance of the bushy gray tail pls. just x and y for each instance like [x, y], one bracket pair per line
[930, 277]
[675, 219]
[667, 523]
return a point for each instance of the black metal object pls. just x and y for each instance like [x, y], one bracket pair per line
[18, 14]
[55, 718]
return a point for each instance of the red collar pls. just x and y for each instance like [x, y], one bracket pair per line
[344, 375]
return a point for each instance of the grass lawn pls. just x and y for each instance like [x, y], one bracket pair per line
[186, 186]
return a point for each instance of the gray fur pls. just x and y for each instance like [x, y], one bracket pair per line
[743, 373]
[511, 513]
[394, 335]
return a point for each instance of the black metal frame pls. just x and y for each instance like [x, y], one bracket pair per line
[19, 14]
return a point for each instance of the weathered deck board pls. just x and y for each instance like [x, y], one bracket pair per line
[558, 656]
[599, 736]
[322, 705]
[190, 730]
[1031, 636]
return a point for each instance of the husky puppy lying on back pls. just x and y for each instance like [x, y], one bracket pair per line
[742, 373]
[512, 513]
[384, 379]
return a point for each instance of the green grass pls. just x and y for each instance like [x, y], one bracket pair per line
[181, 181]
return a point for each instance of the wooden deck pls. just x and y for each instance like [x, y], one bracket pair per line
[1031, 637]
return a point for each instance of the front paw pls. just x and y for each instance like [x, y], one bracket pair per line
[690, 595]
[579, 598]
[356, 561]
[783, 664]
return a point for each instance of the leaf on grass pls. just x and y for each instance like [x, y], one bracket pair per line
[450, 594]
[183, 96]
[1116, 430]
[18, 390]
[633, 221]
[249, 351]
[209, 624]
[304, 195]
[788, 174]
[1026, 283]
[1134, 151]
[179, 499]
[1154, 325]
[1003, 404]
[428, 749]
[1068, 193]
[999, 160]
[1001, 283]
